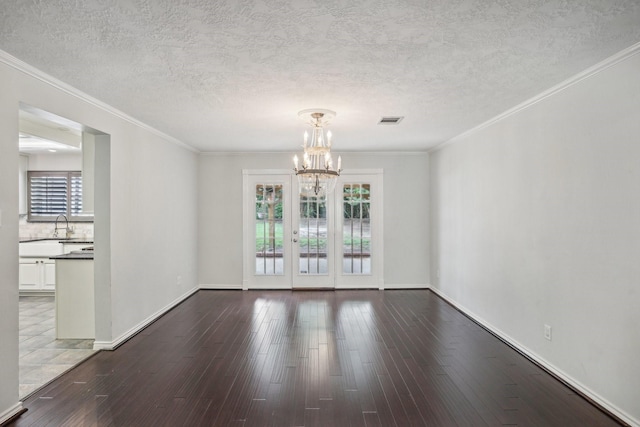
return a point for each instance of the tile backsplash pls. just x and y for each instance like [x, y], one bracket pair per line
[41, 230]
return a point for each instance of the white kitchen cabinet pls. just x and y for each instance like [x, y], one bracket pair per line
[30, 274]
[37, 274]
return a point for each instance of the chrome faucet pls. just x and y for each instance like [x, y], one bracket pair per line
[68, 231]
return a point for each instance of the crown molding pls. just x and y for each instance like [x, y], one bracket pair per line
[339, 152]
[37, 74]
[589, 72]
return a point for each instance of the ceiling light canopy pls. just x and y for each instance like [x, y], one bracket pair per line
[316, 175]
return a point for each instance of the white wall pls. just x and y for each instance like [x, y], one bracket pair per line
[8, 243]
[405, 213]
[536, 220]
[154, 228]
[152, 215]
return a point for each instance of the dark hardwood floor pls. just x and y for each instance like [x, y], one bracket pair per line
[282, 358]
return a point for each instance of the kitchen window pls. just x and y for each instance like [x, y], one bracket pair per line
[53, 193]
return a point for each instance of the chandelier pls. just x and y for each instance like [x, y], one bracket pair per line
[316, 176]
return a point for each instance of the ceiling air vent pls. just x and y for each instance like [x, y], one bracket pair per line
[390, 120]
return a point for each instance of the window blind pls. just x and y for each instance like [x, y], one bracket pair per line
[75, 193]
[53, 193]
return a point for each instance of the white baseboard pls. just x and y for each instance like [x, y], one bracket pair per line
[11, 412]
[386, 286]
[407, 286]
[604, 403]
[112, 345]
[219, 286]
[40, 293]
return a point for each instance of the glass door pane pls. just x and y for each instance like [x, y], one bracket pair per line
[359, 232]
[313, 241]
[269, 233]
[313, 236]
[356, 229]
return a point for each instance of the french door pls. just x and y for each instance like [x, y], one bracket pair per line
[294, 240]
[267, 230]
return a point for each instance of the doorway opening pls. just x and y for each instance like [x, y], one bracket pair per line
[56, 217]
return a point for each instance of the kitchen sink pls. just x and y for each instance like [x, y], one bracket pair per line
[40, 248]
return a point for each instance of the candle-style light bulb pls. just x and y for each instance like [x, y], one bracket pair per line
[305, 160]
[327, 158]
[339, 163]
[295, 161]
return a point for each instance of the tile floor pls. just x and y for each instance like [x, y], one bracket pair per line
[42, 356]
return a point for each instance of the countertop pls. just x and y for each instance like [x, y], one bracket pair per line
[61, 240]
[75, 255]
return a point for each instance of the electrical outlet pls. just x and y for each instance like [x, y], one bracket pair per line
[547, 332]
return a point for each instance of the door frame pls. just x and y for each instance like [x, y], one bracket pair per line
[338, 280]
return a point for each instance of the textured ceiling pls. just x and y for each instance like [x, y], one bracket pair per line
[231, 75]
